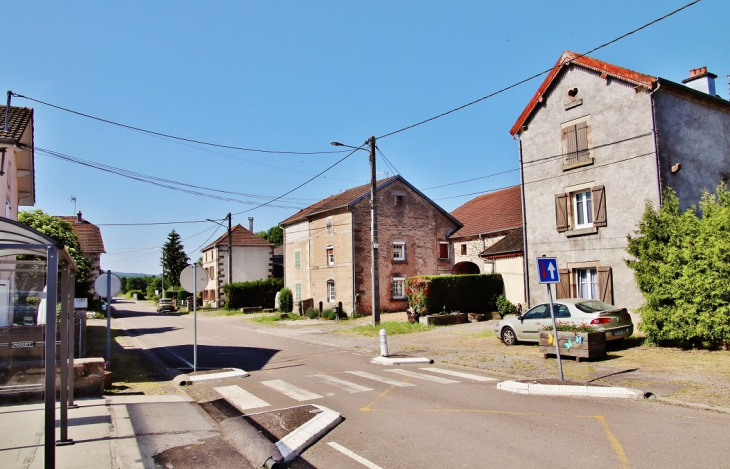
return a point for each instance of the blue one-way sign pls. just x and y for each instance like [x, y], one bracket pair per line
[547, 270]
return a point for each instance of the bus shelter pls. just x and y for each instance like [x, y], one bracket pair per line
[36, 327]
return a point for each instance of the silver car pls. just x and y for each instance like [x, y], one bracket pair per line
[615, 322]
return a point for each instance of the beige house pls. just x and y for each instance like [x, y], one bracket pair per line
[17, 173]
[90, 240]
[252, 259]
[327, 246]
[487, 220]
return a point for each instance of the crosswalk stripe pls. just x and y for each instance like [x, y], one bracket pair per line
[347, 386]
[382, 379]
[240, 398]
[290, 390]
[460, 374]
[413, 374]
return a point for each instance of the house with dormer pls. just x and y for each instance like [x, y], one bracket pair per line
[597, 143]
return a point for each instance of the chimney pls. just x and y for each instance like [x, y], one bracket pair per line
[701, 80]
[250, 224]
[78, 217]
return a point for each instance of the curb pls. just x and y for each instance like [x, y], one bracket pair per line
[401, 361]
[295, 442]
[236, 373]
[569, 390]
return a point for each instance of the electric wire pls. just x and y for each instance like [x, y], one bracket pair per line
[521, 82]
[387, 161]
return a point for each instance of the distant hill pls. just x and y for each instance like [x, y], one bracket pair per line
[126, 274]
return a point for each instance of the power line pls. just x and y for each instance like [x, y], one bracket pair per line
[387, 161]
[160, 134]
[521, 82]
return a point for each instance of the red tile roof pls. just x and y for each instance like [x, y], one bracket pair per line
[510, 245]
[240, 236]
[89, 235]
[497, 211]
[568, 58]
[20, 117]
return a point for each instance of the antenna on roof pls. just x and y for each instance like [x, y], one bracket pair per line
[73, 199]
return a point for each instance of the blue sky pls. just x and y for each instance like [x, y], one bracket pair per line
[295, 76]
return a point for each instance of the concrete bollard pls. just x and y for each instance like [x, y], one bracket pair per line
[383, 343]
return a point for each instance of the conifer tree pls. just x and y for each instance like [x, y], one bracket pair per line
[174, 259]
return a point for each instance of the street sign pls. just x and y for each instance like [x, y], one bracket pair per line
[81, 303]
[101, 283]
[547, 270]
[186, 279]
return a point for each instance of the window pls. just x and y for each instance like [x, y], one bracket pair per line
[297, 260]
[538, 312]
[398, 287]
[329, 225]
[463, 249]
[330, 291]
[8, 210]
[330, 255]
[298, 292]
[443, 250]
[586, 283]
[399, 251]
[582, 209]
[585, 207]
[576, 146]
[398, 200]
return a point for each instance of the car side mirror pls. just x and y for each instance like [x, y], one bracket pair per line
[519, 316]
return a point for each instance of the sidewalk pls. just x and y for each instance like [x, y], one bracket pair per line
[109, 431]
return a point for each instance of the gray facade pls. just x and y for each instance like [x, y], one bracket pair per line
[631, 131]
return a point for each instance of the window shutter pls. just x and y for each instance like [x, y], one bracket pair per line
[605, 283]
[562, 289]
[599, 206]
[581, 139]
[561, 212]
[571, 147]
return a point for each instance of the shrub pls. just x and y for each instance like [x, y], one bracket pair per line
[286, 300]
[256, 293]
[329, 314]
[434, 293]
[182, 295]
[312, 313]
[570, 327]
[504, 306]
[140, 294]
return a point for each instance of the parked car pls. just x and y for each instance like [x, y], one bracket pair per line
[166, 305]
[615, 322]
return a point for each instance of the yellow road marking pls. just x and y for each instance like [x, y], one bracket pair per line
[367, 407]
[617, 448]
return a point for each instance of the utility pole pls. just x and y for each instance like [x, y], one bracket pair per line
[374, 235]
[230, 251]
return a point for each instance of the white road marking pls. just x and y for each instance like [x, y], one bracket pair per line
[382, 379]
[239, 397]
[434, 379]
[354, 456]
[290, 390]
[460, 374]
[347, 386]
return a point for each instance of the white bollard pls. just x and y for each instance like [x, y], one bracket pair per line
[383, 343]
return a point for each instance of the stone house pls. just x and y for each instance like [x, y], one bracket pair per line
[90, 240]
[487, 220]
[597, 143]
[327, 246]
[252, 259]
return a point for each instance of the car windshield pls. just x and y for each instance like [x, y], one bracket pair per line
[165, 300]
[594, 306]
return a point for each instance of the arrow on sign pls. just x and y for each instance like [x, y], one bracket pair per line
[551, 269]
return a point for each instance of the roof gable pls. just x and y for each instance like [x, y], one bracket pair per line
[240, 236]
[606, 69]
[493, 212]
[89, 235]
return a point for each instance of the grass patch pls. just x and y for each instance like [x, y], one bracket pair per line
[275, 317]
[484, 333]
[391, 327]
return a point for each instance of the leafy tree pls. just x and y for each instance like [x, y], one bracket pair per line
[682, 266]
[174, 259]
[62, 231]
[274, 235]
[137, 283]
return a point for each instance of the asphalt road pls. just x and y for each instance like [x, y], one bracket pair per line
[424, 417]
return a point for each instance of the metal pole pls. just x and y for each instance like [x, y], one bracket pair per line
[555, 331]
[374, 236]
[7, 111]
[49, 436]
[64, 439]
[230, 251]
[72, 339]
[195, 318]
[108, 320]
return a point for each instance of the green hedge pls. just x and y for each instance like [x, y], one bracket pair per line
[140, 294]
[432, 294]
[257, 293]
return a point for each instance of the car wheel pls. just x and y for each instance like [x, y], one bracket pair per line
[508, 336]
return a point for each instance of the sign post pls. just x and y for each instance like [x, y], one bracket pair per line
[547, 270]
[108, 285]
[194, 280]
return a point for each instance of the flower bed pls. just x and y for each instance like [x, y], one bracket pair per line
[580, 345]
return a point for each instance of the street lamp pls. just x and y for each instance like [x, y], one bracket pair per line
[373, 230]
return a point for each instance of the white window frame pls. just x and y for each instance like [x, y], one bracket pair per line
[297, 260]
[330, 250]
[402, 246]
[398, 281]
[331, 291]
[586, 283]
[582, 203]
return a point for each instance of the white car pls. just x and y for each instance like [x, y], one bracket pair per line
[615, 322]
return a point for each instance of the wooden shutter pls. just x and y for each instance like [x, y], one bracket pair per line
[581, 140]
[605, 284]
[599, 206]
[571, 149]
[562, 289]
[561, 212]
